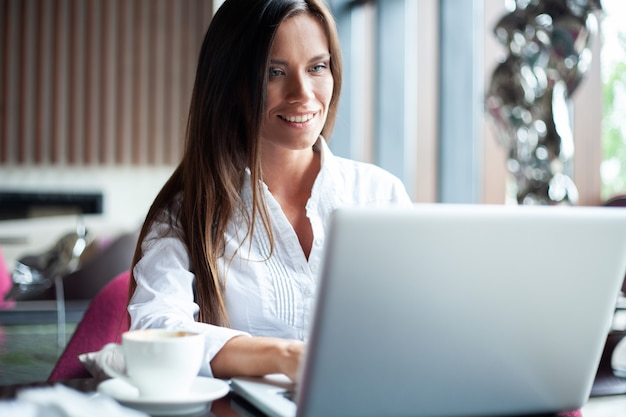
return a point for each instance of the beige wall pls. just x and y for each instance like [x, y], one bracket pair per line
[97, 82]
[494, 156]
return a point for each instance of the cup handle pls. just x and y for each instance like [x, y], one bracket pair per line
[108, 352]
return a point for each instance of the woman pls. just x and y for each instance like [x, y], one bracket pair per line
[232, 243]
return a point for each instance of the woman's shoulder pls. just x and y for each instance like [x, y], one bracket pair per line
[359, 170]
[366, 182]
[353, 170]
[166, 221]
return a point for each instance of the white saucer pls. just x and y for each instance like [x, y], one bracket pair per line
[203, 391]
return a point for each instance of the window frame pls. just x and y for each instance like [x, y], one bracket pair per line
[442, 146]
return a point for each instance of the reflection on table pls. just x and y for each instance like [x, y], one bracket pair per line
[234, 406]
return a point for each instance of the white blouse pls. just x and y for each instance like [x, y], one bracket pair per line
[265, 295]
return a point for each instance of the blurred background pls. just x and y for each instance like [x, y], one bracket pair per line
[93, 103]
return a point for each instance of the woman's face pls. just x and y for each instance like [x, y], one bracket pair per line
[300, 85]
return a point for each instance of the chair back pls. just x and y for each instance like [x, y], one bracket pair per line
[616, 201]
[5, 284]
[104, 321]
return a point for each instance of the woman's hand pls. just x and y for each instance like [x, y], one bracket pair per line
[293, 353]
[258, 356]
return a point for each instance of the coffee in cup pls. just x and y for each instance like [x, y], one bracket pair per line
[159, 363]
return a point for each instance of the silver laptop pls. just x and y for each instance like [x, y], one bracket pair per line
[456, 310]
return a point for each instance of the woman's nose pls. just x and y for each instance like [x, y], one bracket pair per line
[300, 89]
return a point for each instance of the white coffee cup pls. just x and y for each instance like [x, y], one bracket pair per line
[159, 363]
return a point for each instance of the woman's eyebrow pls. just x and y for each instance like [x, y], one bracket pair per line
[320, 57]
[278, 61]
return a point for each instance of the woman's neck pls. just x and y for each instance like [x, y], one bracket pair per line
[291, 173]
[290, 180]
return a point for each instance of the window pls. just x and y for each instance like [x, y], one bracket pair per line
[613, 168]
[398, 110]
[389, 93]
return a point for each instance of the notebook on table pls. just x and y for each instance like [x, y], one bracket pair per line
[456, 310]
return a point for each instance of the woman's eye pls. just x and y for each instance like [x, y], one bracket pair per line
[319, 67]
[275, 72]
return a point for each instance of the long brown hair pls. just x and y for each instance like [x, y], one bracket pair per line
[225, 116]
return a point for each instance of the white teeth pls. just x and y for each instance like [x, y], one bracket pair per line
[299, 118]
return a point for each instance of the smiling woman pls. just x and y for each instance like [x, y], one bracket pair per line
[232, 245]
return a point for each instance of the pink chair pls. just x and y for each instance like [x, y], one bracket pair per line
[5, 283]
[616, 201]
[104, 322]
[575, 413]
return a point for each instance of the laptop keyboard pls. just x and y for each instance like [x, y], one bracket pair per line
[289, 394]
